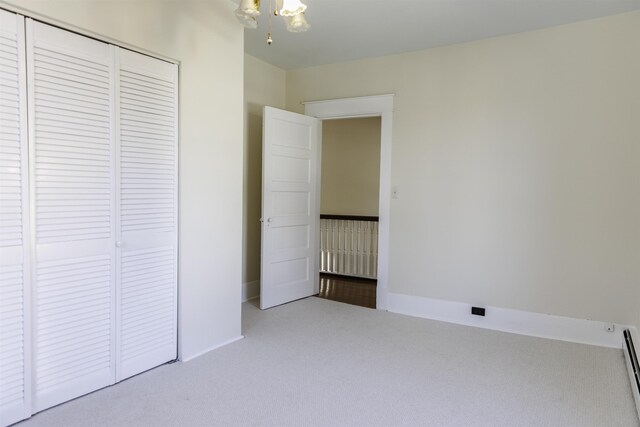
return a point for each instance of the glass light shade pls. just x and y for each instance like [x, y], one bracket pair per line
[248, 21]
[291, 7]
[249, 8]
[297, 23]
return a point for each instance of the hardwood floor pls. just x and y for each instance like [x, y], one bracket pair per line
[350, 290]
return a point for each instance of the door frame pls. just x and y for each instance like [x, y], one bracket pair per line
[364, 106]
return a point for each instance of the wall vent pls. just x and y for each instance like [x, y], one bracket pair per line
[631, 356]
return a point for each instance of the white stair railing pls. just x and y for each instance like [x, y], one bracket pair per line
[349, 245]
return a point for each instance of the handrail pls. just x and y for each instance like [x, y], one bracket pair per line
[350, 217]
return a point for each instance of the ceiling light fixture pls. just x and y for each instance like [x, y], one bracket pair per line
[249, 8]
[247, 12]
[291, 10]
[297, 23]
[291, 7]
[247, 20]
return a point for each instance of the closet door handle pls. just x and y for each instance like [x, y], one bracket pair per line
[118, 244]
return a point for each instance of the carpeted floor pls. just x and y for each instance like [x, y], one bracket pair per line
[321, 363]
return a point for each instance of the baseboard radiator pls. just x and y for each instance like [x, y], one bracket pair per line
[349, 245]
[631, 356]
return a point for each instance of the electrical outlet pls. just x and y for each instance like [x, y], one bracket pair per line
[609, 327]
[478, 311]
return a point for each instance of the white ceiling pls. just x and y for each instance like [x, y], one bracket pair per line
[344, 30]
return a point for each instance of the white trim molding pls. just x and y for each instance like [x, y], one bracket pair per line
[507, 320]
[350, 107]
[215, 347]
[367, 106]
[250, 290]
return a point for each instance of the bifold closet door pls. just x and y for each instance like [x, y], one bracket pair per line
[72, 164]
[147, 203]
[15, 370]
[88, 215]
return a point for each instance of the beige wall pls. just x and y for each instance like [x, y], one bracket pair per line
[205, 37]
[350, 166]
[264, 85]
[518, 165]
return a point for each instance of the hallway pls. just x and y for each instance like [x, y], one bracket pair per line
[350, 290]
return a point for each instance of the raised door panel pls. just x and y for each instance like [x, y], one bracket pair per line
[14, 228]
[72, 168]
[146, 94]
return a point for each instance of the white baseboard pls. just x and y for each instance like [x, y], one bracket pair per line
[507, 320]
[211, 349]
[250, 290]
[382, 297]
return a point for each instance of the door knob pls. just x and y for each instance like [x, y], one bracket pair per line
[118, 244]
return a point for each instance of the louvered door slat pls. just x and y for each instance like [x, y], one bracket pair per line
[147, 217]
[72, 154]
[14, 225]
[68, 70]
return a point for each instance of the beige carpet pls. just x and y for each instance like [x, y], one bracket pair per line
[322, 363]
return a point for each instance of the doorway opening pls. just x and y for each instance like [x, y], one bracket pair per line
[365, 106]
[349, 204]
[292, 144]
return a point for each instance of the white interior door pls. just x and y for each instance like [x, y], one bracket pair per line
[147, 220]
[71, 158]
[289, 269]
[14, 225]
